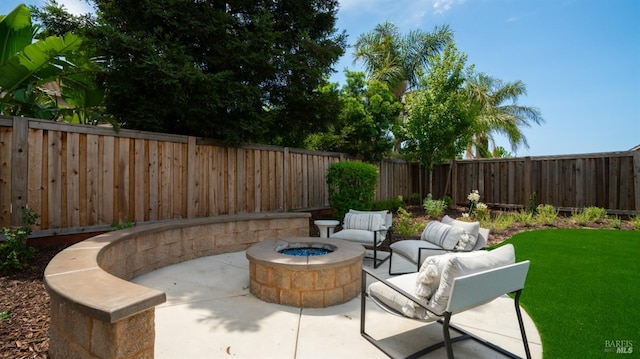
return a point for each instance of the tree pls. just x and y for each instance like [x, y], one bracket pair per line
[499, 113]
[399, 60]
[440, 115]
[368, 112]
[33, 61]
[241, 71]
[26, 65]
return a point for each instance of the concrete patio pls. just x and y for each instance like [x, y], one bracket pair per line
[209, 313]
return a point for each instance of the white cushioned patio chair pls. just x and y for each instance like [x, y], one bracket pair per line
[449, 235]
[368, 228]
[446, 285]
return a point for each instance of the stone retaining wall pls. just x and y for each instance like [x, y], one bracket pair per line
[97, 313]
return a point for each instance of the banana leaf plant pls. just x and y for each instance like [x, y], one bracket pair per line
[26, 64]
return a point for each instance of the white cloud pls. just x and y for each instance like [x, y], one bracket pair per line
[76, 7]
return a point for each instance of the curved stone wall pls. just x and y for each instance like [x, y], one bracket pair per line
[96, 312]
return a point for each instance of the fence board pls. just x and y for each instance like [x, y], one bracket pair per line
[72, 185]
[106, 148]
[92, 174]
[5, 176]
[35, 170]
[55, 180]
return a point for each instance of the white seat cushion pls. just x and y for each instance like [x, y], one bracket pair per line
[390, 297]
[361, 236]
[410, 249]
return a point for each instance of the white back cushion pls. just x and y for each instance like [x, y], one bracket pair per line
[369, 222]
[455, 265]
[443, 235]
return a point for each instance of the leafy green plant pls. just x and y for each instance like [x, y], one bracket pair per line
[482, 212]
[434, 208]
[128, 223]
[525, 217]
[404, 224]
[636, 222]
[415, 198]
[391, 205]
[351, 185]
[614, 221]
[500, 222]
[546, 214]
[533, 203]
[14, 251]
[4, 316]
[588, 216]
[447, 200]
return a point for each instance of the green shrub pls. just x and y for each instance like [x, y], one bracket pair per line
[533, 203]
[14, 251]
[546, 214]
[525, 217]
[391, 205]
[351, 185]
[404, 224]
[434, 208]
[500, 222]
[448, 201]
[481, 211]
[636, 222]
[415, 199]
[588, 216]
[614, 221]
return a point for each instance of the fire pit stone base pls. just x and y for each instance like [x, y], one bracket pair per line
[305, 281]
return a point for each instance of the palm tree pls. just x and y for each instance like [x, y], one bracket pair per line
[499, 113]
[396, 59]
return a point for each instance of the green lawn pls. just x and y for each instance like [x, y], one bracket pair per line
[583, 289]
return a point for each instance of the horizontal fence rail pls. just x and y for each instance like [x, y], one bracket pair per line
[80, 178]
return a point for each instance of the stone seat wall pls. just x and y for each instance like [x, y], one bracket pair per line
[97, 313]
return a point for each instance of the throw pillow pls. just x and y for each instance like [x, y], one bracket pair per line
[442, 235]
[471, 228]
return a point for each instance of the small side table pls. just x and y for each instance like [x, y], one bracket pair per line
[326, 226]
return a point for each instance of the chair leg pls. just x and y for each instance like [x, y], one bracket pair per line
[525, 342]
[447, 335]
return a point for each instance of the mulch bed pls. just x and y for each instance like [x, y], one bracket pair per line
[25, 334]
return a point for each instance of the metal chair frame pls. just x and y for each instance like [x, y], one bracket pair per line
[445, 322]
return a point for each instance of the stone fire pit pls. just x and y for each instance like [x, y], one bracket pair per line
[317, 281]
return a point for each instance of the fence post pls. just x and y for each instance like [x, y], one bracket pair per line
[636, 179]
[19, 168]
[527, 181]
[193, 201]
[286, 180]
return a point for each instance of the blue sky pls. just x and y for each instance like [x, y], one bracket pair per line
[578, 58]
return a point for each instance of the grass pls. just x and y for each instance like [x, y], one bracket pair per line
[582, 288]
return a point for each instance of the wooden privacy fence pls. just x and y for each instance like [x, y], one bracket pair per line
[82, 178]
[607, 180]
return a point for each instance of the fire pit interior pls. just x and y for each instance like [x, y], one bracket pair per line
[305, 249]
[305, 272]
